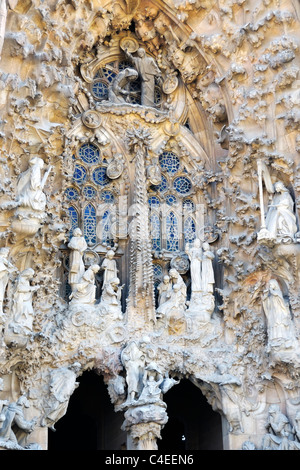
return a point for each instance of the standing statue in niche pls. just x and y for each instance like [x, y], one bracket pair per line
[280, 222]
[208, 277]
[133, 359]
[77, 246]
[279, 323]
[195, 256]
[281, 219]
[5, 269]
[163, 290]
[30, 186]
[147, 70]
[85, 291]
[22, 309]
[110, 267]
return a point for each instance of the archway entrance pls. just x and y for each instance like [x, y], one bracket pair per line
[192, 424]
[90, 422]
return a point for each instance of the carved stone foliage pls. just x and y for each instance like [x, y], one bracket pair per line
[149, 213]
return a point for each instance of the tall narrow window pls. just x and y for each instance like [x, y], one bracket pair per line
[105, 228]
[89, 224]
[172, 232]
[155, 232]
[73, 219]
[189, 230]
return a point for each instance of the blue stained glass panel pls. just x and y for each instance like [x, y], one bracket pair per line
[71, 194]
[107, 196]
[171, 200]
[189, 229]
[89, 192]
[188, 205]
[172, 232]
[73, 219]
[100, 90]
[169, 162]
[155, 232]
[100, 177]
[89, 223]
[106, 228]
[80, 174]
[182, 185]
[153, 201]
[89, 153]
[157, 271]
[162, 187]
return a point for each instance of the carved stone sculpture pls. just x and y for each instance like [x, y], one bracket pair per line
[30, 186]
[85, 291]
[163, 289]
[22, 309]
[6, 268]
[147, 70]
[133, 359]
[279, 323]
[61, 386]
[281, 219]
[77, 246]
[109, 265]
[118, 92]
[110, 301]
[175, 296]
[13, 424]
[208, 277]
[279, 431]
[195, 255]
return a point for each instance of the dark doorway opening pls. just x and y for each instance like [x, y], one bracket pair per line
[90, 422]
[192, 424]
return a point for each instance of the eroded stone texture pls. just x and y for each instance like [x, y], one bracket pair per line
[201, 143]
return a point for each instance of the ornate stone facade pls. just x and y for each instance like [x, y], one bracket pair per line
[149, 223]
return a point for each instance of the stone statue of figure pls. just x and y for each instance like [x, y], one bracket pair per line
[85, 290]
[163, 289]
[279, 322]
[152, 381]
[77, 246]
[176, 295]
[5, 269]
[14, 424]
[147, 70]
[110, 267]
[281, 219]
[118, 92]
[61, 386]
[195, 256]
[208, 277]
[133, 359]
[280, 433]
[111, 297]
[30, 186]
[22, 309]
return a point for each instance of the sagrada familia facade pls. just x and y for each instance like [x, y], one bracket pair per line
[150, 235]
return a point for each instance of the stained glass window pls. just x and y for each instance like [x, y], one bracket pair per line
[153, 201]
[172, 232]
[182, 185]
[169, 162]
[189, 230]
[100, 177]
[89, 224]
[73, 219]
[162, 187]
[105, 234]
[157, 271]
[100, 90]
[89, 153]
[155, 232]
[89, 192]
[171, 200]
[71, 194]
[80, 174]
[107, 196]
[188, 205]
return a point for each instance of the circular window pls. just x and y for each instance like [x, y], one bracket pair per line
[71, 194]
[89, 153]
[107, 196]
[182, 185]
[100, 89]
[100, 176]
[89, 192]
[153, 201]
[171, 200]
[169, 162]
